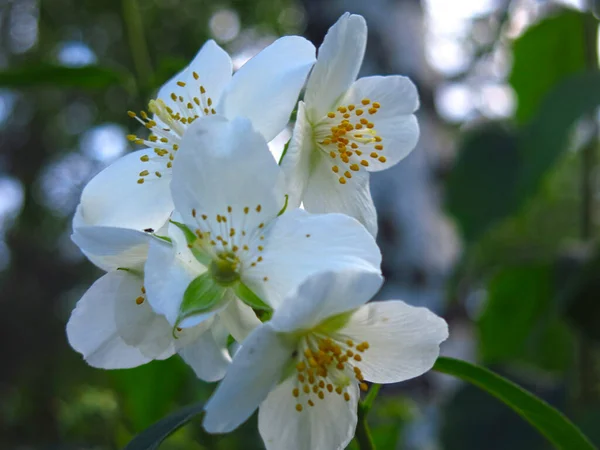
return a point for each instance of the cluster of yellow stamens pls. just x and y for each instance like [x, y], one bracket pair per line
[169, 124]
[219, 237]
[349, 134]
[325, 367]
[142, 297]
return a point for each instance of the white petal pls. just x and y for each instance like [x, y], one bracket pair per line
[92, 329]
[239, 319]
[394, 121]
[255, 370]
[208, 354]
[324, 194]
[213, 66]
[111, 248]
[298, 244]
[330, 424]
[168, 272]
[139, 325]
[225, 164]
[266, 88]
[339, 60]
[115, 198]
[296, 162]
[325, 295]
[403, 340]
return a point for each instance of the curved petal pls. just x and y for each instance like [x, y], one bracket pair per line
[325, 194]
[111, 248]
[255, 370]
[330, 424]
[239, 319]
[222, 168]
[404, 341]
[298, 244]
[168, 272]
[393, 121]
[92, 329]
[266, 88]
[339, 60]
[208, 354]
[213, 68]
[296, 161]
[325, 295]
[114, 198]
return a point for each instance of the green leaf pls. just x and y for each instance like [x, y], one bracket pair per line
[91, 77]
[556, 427]
[190, 237]
[246, 295]
[544, 55]
[516, 297]
[152, 437]
[201, 295]
[481, 187]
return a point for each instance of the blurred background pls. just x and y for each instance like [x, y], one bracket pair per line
[491, 221]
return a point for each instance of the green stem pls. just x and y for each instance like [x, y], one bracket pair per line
[363, 434]
[137, 42]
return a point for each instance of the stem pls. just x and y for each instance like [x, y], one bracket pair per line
[137, 42]
[363, 434]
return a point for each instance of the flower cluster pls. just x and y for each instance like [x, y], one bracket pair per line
[203, 239]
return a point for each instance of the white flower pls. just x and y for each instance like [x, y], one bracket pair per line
[134, 191]
[306, 367]
[347, 128]
[114, 327]
[227, 189]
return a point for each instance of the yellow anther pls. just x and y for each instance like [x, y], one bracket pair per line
[346, 116]
[321, 395]
[351, 107]
[258, 208]
[372, 110]
[364, 387]
[357, 357]
[382, 159]
[169, 165]
[342, 180]
[348, 174]
[359, 112]
[306, 389]
[140, 181]
[209, 101]
[376, 105]
[131, 137]
[335, 169]
[354, 167]
[311, 403]
[195, 75]
[139, 300]
[378, 147]
[339, 390]
[364, 162]
[181, 83]
[158, 174]
[299, 407]
[202, 90]
[365, 101]
[331, 115]
[144, 173]
[131, 114]
[296, 392]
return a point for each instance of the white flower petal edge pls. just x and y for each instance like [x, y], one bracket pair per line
[92, 329]
[314, 348]
[266, 88]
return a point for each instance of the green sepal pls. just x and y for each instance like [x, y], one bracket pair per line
[201, 295]
[246, 295]
[287, 197]
[285, 149]
[190, 237]
[163, 238]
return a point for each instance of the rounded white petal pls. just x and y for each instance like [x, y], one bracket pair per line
[168, 272]
[208, 354]
[239, 318]
[296, 161]
[394, 121]
[404, 341]
[111, 248]
[298, 244]
[266, 88]
[92, 329]
[330, 424]
[325, 194]
[254, 372]
[339, 60]
[225, 164]
[324, 295]
[114, 198]
[213, 66]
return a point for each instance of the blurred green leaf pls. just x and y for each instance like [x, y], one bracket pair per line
[202, 294]
[152, 437]
[556, 427]
[480, 189]
[90, 77]
[148, 392]
[516, 297]
[544, 55]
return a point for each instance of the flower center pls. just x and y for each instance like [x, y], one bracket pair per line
[326, 366]
[228, 241]
[224, 268]
[348, 135]
[168, 126]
